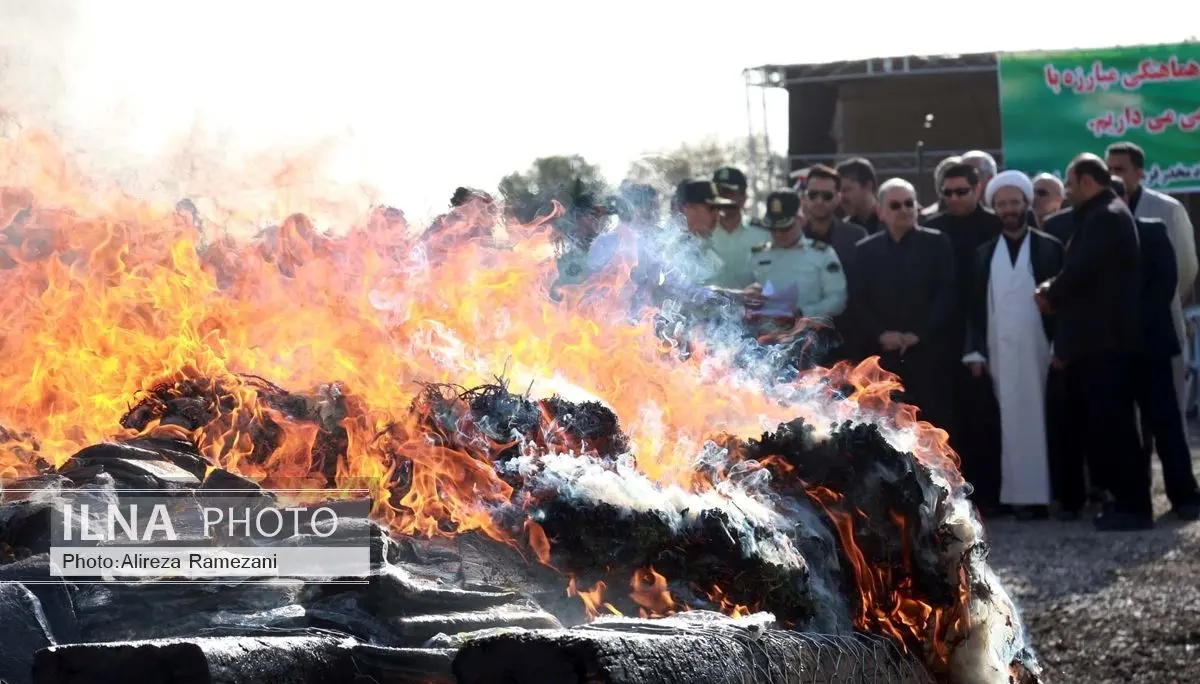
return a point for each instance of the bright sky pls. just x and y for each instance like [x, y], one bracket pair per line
[432, 95]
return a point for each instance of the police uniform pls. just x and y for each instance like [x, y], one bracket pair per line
[733, 247]
[804, 280]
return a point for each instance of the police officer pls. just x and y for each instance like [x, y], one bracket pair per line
[573, 239]
[795, 277]
[734, 235]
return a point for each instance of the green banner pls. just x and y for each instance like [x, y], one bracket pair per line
[1054, 105]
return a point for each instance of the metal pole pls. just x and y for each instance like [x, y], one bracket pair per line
[767, 141]
[753, 170]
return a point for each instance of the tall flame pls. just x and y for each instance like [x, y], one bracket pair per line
[107, 304]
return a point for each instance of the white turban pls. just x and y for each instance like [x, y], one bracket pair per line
[1010, 179]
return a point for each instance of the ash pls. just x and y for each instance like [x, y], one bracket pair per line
[834, 555]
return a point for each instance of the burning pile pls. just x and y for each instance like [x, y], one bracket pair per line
[829, 524]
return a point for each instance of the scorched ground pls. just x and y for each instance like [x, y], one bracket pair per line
[535, 465]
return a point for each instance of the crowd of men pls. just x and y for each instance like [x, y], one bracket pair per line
[1038, 321]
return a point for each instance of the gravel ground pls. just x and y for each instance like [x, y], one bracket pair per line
[1106, 607]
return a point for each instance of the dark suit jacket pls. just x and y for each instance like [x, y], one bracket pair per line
[1046, 259]
[1060, 224]
[1098, 293]
[842, 236]
[1160, 273]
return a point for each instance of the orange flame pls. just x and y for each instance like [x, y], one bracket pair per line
[107, 300]
[650, 591]
[593, 599]
[538, 542]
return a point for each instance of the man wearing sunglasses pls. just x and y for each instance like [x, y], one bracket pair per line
[820, 198]
[968, 224]
[904, 302]
[1048, 195]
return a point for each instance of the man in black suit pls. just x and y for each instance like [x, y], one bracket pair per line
[1162, 422]
[904, 302]
[821, 195]
[968, 224]
[1097, 297]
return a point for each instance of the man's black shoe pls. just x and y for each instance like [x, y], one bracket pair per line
[1069, 515]
[1187, 512]
[1027, 513]
[992, 511]
[1123, 522]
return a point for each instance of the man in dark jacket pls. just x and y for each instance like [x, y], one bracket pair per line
[1156, 399]
[1099, 335]
[819, 199]
[1060, 224]
[904, 300]
[1162, 423]
[859, 194]
[968, 225]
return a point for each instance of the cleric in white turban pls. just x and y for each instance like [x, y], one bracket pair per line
[1008, 338]
[1009, 179]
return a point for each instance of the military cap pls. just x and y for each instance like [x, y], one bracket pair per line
[731, 179]
[701, 192]
[783, 206]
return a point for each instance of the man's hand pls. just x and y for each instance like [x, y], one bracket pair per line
[753, 297]
[1043, 303]
[977, 369]
[1042, 299]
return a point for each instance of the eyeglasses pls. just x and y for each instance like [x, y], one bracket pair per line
[957, 192]
[906, 204]
[819, 195]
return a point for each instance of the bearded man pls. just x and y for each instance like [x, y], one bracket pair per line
[1011, 340]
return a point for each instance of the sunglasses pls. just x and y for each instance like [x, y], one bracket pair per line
[957, 192]
[819, 195]
[906, 204]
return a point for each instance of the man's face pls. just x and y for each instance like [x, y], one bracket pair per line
[701, 218]
[855, 196]
[1046, 198]
[738, 197]
[819, 199]
[1121, 165]
[1009, 205]
[739, 201]
[789, 236]
[898, 209]
[960, 195]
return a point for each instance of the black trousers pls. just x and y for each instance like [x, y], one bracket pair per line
[976, 437]
[1064, 434]
[1107, 388]
[923, 372]
[1162, 421]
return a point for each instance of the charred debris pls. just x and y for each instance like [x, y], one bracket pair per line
[461, 607]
